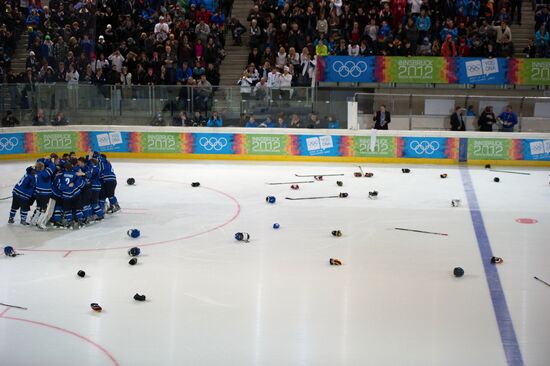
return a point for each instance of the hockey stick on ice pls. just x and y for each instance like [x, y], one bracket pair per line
[421, 231]
[543, 281]
[508, 171]
[303, 181]
[317, 175]
[13, 306]
[341, 195]
[5, 198]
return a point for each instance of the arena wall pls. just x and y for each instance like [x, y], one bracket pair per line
[427, 147]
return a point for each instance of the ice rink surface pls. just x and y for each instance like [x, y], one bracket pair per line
[276, 300]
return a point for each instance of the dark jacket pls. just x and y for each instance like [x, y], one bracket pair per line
[457, 122]
[378, 121]
[9, 121]
[485, 121]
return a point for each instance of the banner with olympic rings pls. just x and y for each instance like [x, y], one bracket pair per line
[428, 147]
[213, 143]
[473, 70]
[316, 145]
[12, 143]
[536, 149]
[350, 69]
[275, 145]
[109, 141]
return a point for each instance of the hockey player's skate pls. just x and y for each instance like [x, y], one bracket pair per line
[113, 208]
[11, 220]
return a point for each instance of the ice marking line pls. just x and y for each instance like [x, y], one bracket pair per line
[4, 312]
[504, 320]
[67, 254]
[70, 332]
[168, 241]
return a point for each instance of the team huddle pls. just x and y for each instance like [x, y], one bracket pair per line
[69, 192]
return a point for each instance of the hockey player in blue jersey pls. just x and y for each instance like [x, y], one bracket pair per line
[86, 194]
[22, 196]
[45, 169]
[94, 175]
[57, 196]
[71, 185]
[108, 181]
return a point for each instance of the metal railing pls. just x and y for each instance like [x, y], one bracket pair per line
[138, 105]
[433, 111]
[156, 104]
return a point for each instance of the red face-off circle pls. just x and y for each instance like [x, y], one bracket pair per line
[524, 220]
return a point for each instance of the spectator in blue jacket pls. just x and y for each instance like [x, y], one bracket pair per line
[508, 119]
[218, 18]
[449, 29]
[251, 122]
[60, 120]
[184, 72]
[280, 122]
[541, 41]
[215, 120]
[332, 123]
[268, 123]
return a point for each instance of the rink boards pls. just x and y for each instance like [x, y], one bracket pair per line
[432, 147]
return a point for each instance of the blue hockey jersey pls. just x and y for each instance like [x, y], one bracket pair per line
[94, 175]
[56, 186]
[106, 170]
[44, 178]
[25, 187]
[71, 184]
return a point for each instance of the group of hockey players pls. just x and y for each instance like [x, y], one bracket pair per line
[69, 192]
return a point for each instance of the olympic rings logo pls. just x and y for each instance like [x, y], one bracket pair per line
[8, 144]
[212, 143]
[474, 67]
[424, 147]
[350, 68]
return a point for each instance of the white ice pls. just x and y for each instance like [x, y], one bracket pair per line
[276, 300]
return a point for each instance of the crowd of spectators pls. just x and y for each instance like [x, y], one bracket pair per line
[539, 45]
[287, 35]
[11, 25]
[395, 28]
[125, 43]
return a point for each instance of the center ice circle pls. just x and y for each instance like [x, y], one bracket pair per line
[164, 211]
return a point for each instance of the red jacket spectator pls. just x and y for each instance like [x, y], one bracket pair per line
[203, 14]
[463, 48]
[448, 48]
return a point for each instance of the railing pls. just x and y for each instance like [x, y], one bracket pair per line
[141, 105]
[159, 105]
[433, 111]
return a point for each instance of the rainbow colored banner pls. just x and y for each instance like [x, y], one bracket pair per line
[434, 70]
[494, 149]
[418, 70]
[529, 71]
[272, 146]
[160, 142]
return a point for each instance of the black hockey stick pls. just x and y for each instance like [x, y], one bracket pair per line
[318, 175]
[341, 195]
[421, 231]
[543, 281]
[5, 198]
[303, 181]
[508, 171]
[13, 306]
[361, 170]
